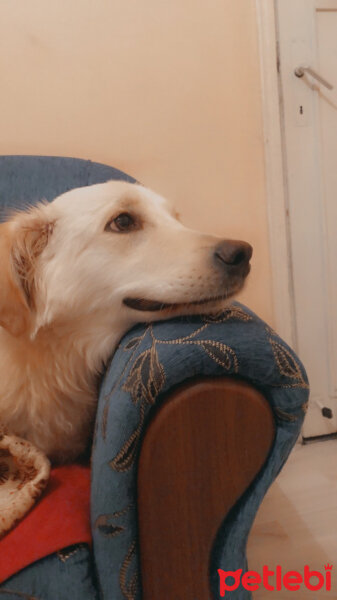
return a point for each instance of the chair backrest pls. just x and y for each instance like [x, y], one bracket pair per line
[24, 180]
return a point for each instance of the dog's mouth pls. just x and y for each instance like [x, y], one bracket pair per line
[145, 305]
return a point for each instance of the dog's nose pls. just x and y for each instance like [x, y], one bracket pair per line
[233, 253]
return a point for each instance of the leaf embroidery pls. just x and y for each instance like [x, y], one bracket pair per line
[124, 459]
[107, 529]
[146, 377]
[133, 343]
[284, 416]
[107, 396]
[223, 355]
[69, 551]
[128, 588]
[134, 383]
[287, 364]
[231, 312]
[104, 525]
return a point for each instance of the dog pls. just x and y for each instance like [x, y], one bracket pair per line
[75, 275]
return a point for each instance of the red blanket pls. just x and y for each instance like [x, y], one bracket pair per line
[61, 518]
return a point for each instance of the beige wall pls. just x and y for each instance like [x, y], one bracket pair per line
[167, 90]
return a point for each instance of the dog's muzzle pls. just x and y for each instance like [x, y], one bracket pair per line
[233, 256]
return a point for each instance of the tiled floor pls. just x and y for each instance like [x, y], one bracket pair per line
[297, 521]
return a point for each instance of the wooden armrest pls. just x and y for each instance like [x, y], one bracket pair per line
[201, 451]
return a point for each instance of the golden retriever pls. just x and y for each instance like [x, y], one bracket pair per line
[75, 275]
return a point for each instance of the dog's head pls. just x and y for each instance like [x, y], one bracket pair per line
[114, 249]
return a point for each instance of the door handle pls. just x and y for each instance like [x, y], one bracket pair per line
[299, 72]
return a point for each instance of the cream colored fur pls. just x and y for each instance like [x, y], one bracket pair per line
[63, 279]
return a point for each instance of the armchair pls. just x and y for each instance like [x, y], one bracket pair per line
[196, 416]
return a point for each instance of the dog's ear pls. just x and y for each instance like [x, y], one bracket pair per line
[21, 243]
[14, 310]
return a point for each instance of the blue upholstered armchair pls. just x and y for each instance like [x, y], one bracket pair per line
[196, 417]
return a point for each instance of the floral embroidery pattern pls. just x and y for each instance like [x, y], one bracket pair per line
[146, 377]
[123, 461]
[66, 553]
[108, 529]
[231, 312]
[287, 365]
[133, 344]
[223, 355]
[146, 380]
[143, 377]
[284, 416]
[129, 587]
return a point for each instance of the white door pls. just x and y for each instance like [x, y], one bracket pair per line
[307, 36]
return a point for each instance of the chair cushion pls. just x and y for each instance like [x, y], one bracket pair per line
[24, 180]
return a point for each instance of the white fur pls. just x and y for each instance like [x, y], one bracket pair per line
[63, 279]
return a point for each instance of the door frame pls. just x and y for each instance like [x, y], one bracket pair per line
[275, 175]
[294, 184]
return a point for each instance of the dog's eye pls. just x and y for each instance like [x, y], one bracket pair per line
[123, 223]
